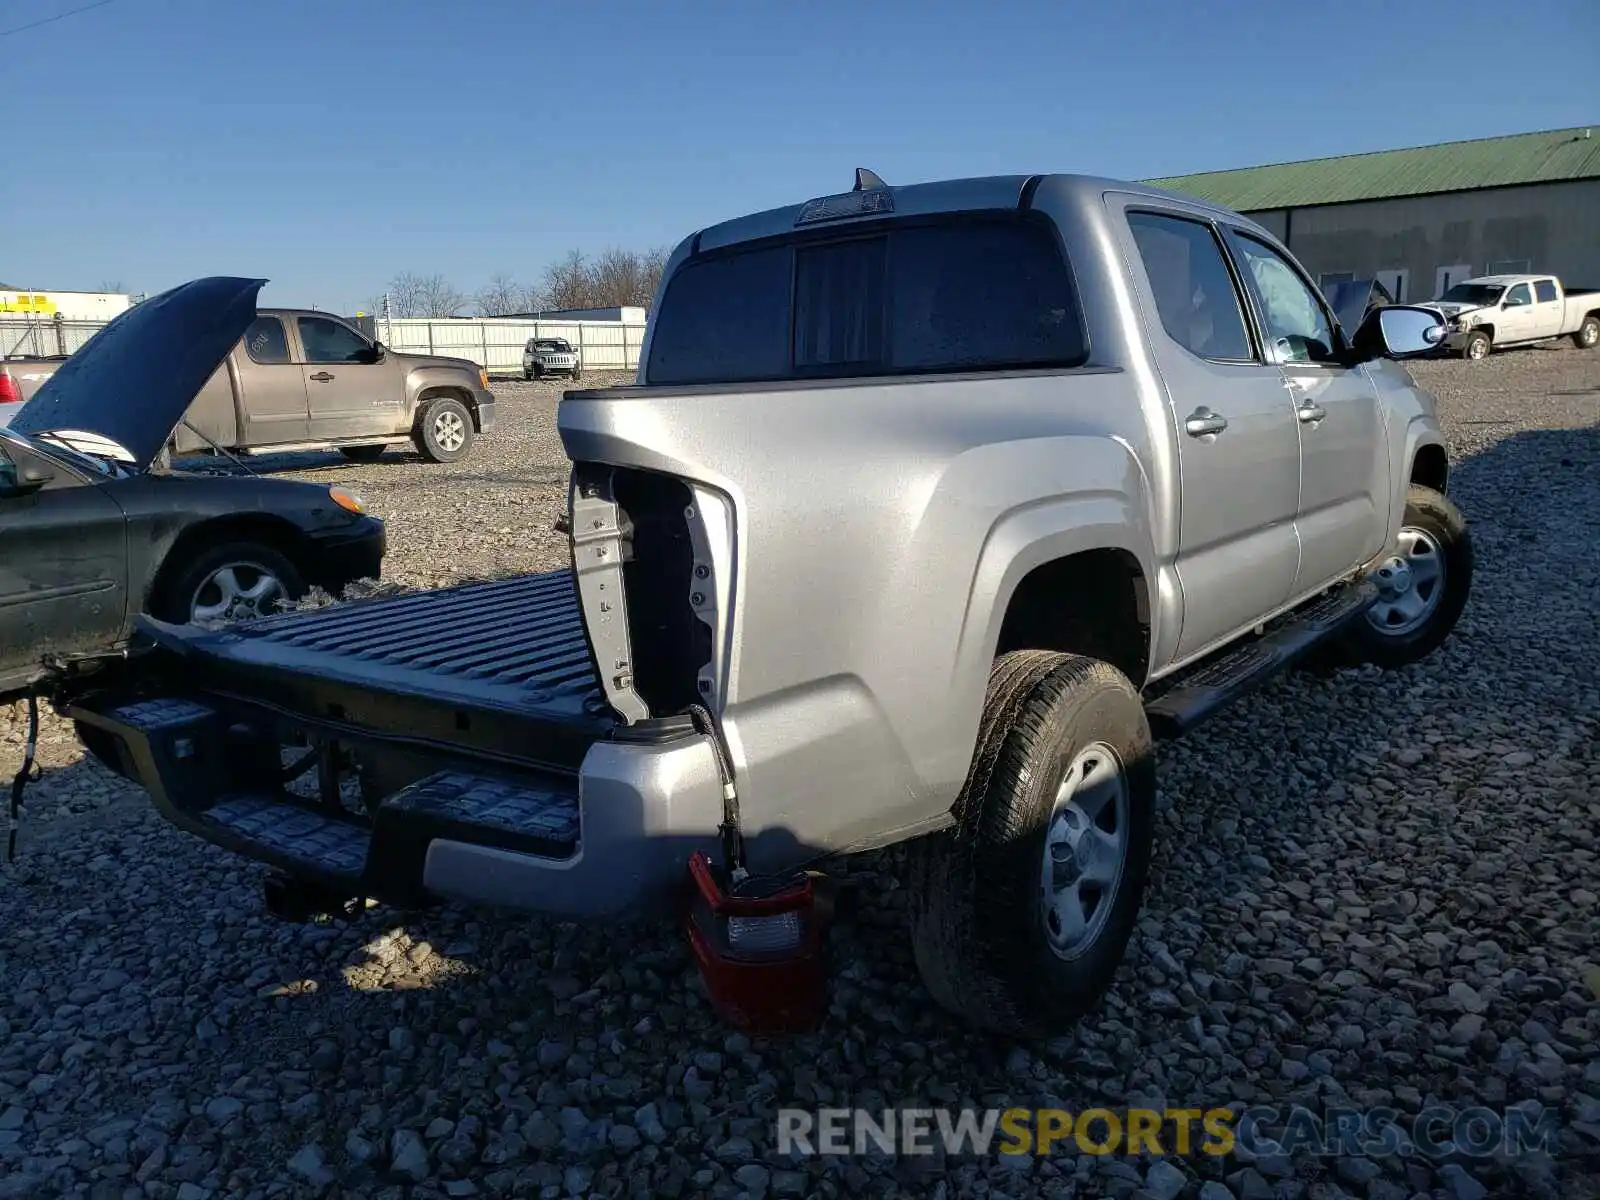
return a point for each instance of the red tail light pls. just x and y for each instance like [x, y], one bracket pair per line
[10, 393]
[759, 949]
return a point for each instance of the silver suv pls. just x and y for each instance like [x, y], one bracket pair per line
[550, 356]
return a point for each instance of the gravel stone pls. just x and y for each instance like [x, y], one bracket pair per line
[1366, 889]
[408, 1156]
[1165, 1181]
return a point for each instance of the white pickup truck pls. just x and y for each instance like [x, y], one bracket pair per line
[1493, 311]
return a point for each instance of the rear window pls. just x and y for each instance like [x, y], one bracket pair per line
[1545, 289]
[955, 296]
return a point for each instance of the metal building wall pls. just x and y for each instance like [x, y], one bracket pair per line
[1550, 226]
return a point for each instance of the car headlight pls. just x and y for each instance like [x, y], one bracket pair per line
[346, 501]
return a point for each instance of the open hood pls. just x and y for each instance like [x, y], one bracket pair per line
[1352, 300]
[124, 393]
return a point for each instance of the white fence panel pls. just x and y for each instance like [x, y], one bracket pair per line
[30, 335]
[490, 342]
[497, 343]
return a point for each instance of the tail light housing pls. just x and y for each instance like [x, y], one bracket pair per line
[758, 944]
[10, 393]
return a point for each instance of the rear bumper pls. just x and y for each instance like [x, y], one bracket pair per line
[612, 840]
[340, 558]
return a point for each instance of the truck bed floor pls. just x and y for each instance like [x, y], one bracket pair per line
[516, 645]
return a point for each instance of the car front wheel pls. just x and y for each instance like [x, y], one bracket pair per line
[444, 430]
[238, 581]
[1422, 587]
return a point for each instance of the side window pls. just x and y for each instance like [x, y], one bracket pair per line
[1194, 293]
[328, 341]
[1297, 325]
[1545, 289]
[266, 342]
[1518, 296]
[984, 295]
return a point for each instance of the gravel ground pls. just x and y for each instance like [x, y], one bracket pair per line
[1368, 890]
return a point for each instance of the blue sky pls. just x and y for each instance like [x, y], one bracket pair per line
[327, 146]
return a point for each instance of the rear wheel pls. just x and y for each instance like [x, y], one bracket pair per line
[1588, 335]
[237, 581]
[363, 454]
[1021, 914]
[444, 430]
[1479, 343]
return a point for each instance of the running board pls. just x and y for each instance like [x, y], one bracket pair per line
[1209, 688]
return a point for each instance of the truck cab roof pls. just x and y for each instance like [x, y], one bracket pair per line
[1505, 281]
[973, 194]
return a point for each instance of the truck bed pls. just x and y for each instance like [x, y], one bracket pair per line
[501, 666]
[409, 748]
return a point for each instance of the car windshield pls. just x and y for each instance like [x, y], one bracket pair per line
[1473, 293]
[55, 445]
[551, 344]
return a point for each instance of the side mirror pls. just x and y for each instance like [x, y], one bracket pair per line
[15, 484]
[1399, 331]
[370, 354]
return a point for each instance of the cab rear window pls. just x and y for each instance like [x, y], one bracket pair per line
[968, 295]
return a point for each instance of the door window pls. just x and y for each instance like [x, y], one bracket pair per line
[1518, 296]
[1297, 325]
[266, 342]
[1545, 289]
[1194, 294]
[329, 341]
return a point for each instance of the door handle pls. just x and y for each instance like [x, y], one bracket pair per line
[321, 377]
[1203, 421]
[1310, 412]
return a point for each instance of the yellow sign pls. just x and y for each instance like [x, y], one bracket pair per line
[26, 303]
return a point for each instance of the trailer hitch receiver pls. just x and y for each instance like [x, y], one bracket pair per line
[758, 943]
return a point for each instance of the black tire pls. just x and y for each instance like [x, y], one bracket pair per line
[980, 932]
[577, 374]
[1479, 345]
[1378, 639]
[363, 454]
[1587, 336]
[176, 597]
[444, 430]
[527, 373]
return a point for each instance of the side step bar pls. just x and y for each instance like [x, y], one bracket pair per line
[1218, 682]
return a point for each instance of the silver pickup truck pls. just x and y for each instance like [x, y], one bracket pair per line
[305, 380]
[933, 508]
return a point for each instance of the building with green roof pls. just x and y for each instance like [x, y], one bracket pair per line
[1422, 218]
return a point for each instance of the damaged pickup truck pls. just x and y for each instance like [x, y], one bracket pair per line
[932, 509]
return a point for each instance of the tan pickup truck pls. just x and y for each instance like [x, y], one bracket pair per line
[303, 380]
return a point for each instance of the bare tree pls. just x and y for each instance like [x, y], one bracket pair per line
[567, 283]
[412, 295]
[112, 285]
[616, 278]
[625, 277]
[439, 298]
[501, 297]
[655, 265]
